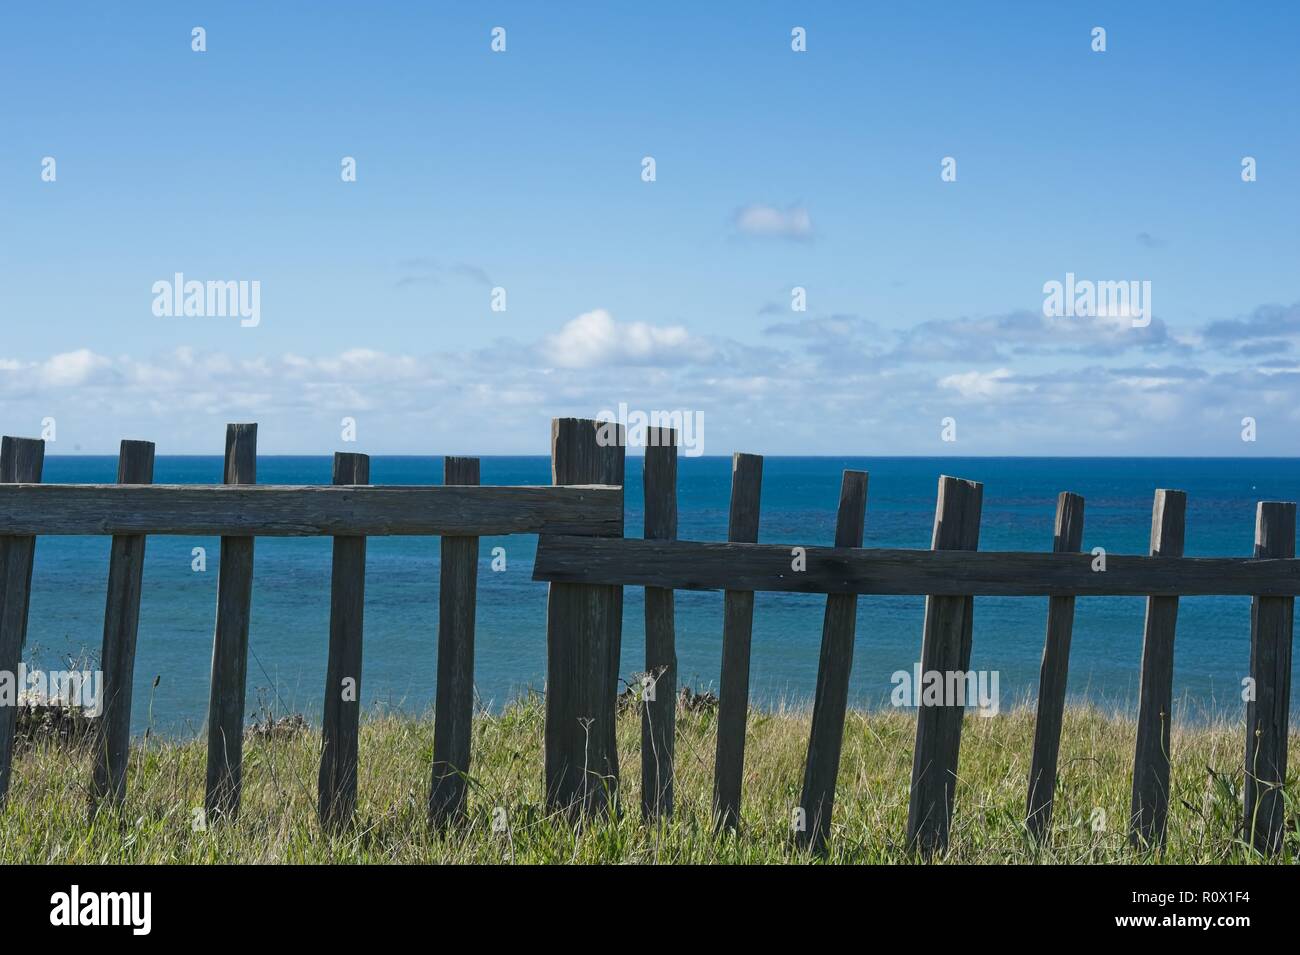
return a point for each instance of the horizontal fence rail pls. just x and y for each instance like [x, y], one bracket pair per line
[227, 510]
[697, 565]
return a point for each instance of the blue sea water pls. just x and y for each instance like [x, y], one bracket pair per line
[290, 622]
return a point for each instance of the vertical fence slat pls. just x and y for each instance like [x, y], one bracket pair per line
[121, 626]
[583, 640]
[1052, 676]
[737, 629]
[839, 626]
[1150, 803]
[945, 648]
[21, 462]
[230, 641]
[1268, 711]
[454, 703]
[659, 715]
[337, 780]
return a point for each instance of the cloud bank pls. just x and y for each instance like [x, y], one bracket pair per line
[1017, 383]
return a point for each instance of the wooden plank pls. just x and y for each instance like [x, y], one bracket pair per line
[230, 643]
[659, 713]
[337, 780]
[945, 648]
[454, 703]
[121, 626]
[698, 565]
[21, 459]
[839, 626]
[737, 630]
[1052, 677]
[307, 511]
[1268, 711]
[583, 635]
[1150, 803]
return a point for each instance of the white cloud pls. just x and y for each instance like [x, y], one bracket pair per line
[761, 220]
[71, 368]
[594, 338]
[982, 384]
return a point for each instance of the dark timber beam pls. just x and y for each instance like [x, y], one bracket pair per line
[692, 565]
[307, 511]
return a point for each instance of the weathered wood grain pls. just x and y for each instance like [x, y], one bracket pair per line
[698, 565]
[659, 710]
[1150, 805]
[230, 643]
[737, 631]
[839, 626]
[121, 626]
[339, 753]
[21, 459]
[307, 511]
[454, 704]
[1052, 677]
[1268, 710]
[945, 648]
[583, 636]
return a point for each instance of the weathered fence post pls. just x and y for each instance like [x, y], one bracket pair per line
[337, 780]
[659, 712]
[583, 635]
[839, 626]
[1268, 709]
[121, 626]
[737, 631]
[945, 650]
[1052, 676]
[1150, 803]
[21, 462]
[230, 642]
[454, 704]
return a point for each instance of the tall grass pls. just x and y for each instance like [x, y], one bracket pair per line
[46, 819]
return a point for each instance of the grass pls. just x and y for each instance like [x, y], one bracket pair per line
[46, 818]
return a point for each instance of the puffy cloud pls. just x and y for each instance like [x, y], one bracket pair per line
[982, 384]
[71, 368]
[594, 338]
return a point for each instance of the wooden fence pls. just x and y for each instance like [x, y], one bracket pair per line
[587, 561]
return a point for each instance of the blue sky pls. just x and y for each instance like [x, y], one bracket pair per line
[774, 169]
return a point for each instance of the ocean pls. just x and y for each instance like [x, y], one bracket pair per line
[290, 613]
